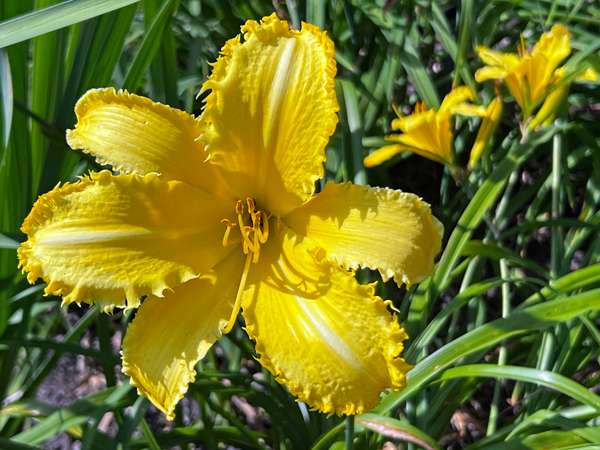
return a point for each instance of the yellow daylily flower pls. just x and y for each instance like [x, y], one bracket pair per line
[219, 212]
[531, 75]
[428, 132]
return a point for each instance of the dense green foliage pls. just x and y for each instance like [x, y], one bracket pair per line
[504, 337]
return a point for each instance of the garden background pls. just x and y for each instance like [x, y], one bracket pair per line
[504, 336]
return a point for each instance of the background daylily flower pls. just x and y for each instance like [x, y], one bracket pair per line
[531, 75]
[219, 212]
[429, 133]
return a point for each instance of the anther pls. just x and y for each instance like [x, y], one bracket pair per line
[239, 208]
[251, 205]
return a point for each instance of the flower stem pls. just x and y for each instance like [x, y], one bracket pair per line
[349, 432]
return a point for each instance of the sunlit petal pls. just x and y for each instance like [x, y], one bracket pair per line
[170, 335]
[329, 339]
[454, 98]
[427, 133]
[555, 46]
[415, 120]
[109, 237]
[549, 108]
[534, 76]
[509, 61]
[516, 85]
[588, 75]
[465, 109]
[486, 130]
[135, 135]
[383, 229]
[490, 73]
[271, 111]
[383, 154]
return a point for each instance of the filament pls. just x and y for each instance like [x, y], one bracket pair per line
[238, 298]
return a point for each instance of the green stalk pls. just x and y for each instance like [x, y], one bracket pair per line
[494, 408]
[349, 432]
[548, 341]
[557, 239]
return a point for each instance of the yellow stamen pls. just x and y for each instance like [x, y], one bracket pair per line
[244, 230]
[251, 236]
[238, 298]
[257, 221]
[263, 234]
[227, 231]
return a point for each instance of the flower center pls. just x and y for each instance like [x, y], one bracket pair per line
[254, 233]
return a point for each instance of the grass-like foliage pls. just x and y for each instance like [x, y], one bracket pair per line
[504, 337]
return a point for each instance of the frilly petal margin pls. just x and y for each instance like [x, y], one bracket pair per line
[107, 238]
[333, 342]
[136, 135]
[271, 112]
[384, 229]
[169, 336]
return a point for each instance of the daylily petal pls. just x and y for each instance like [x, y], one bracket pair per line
[415, 120]
[548, 111]
[427, 133]
[490, 73]
[457, 96]
[534, 76]
[444, 153]
[486, 130]
[108, 237]
[135, 135]
[383, 229]
[271, 111]
[555, 46]
[169, 336]
[588, 75]
[491, 57]
[518, 88]
[383, 154]
[465, 109]
[329, 339]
